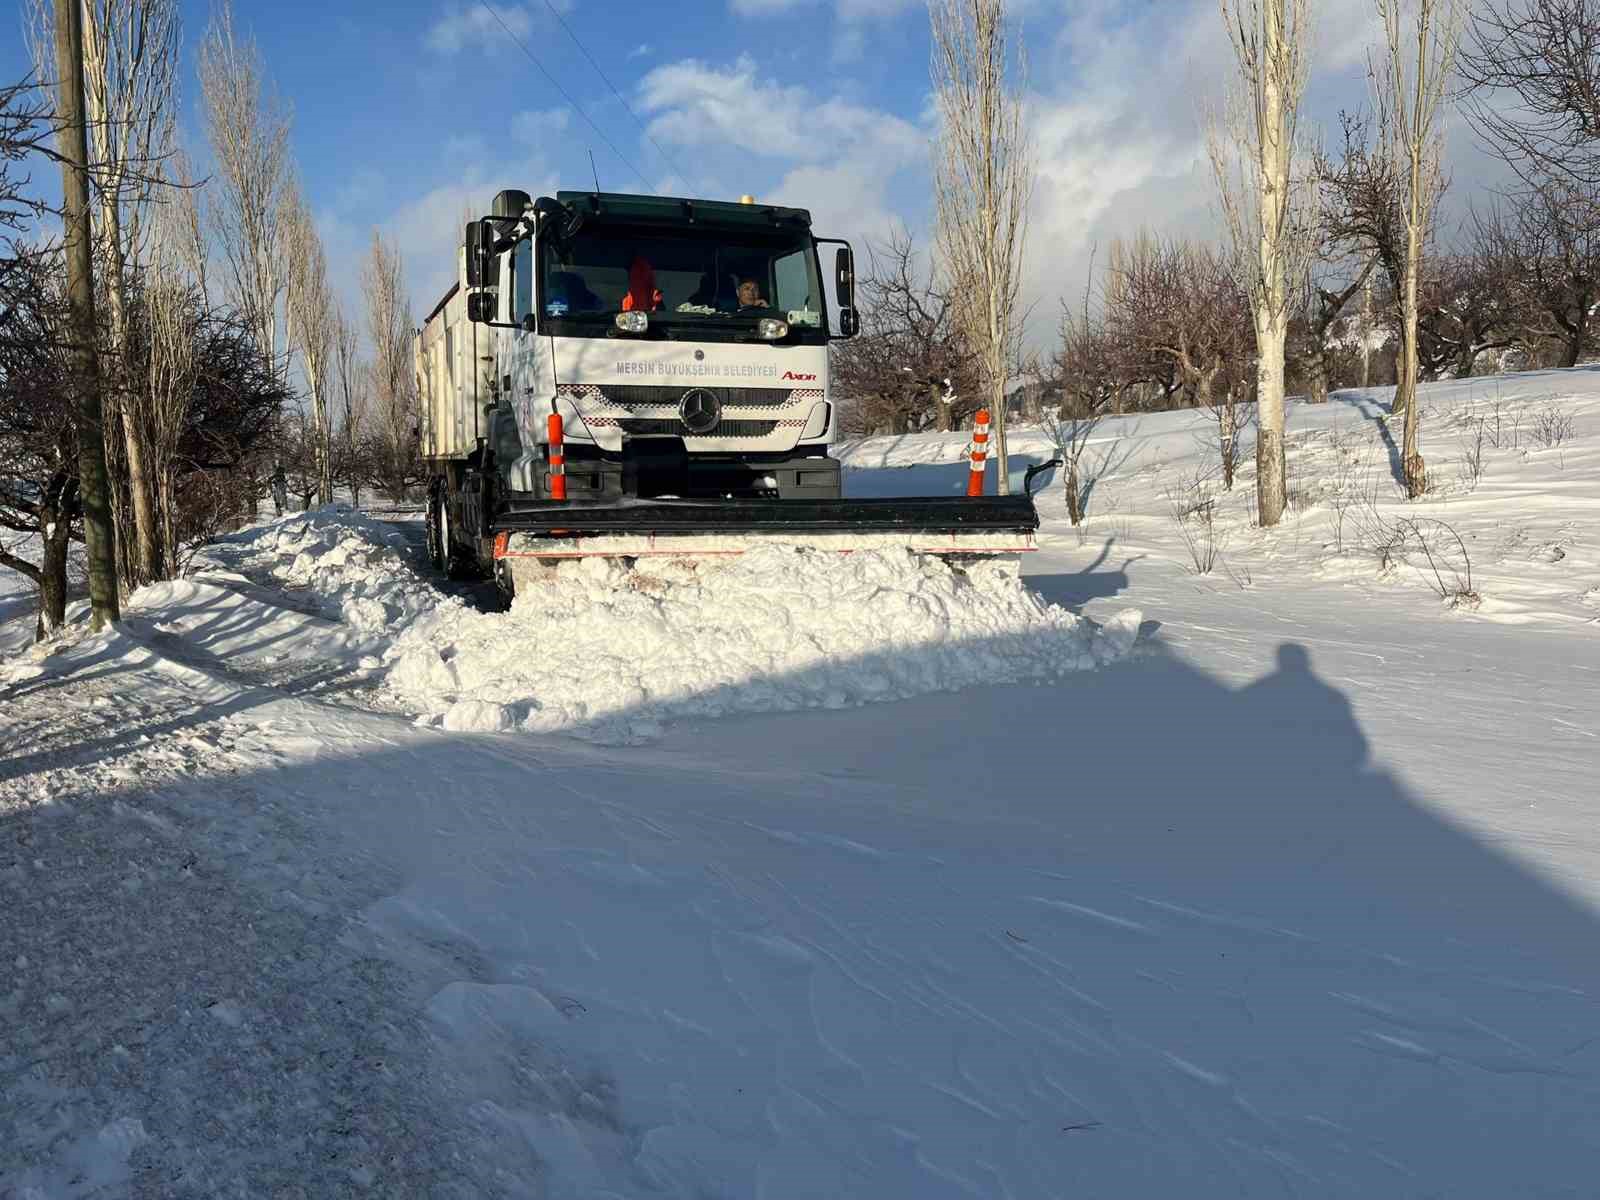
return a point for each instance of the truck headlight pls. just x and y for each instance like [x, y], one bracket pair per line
[771, 329]
[633, 322]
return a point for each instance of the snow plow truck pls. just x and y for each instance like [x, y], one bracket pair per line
[637, 376]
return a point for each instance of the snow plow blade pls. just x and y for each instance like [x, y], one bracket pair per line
[946, 526]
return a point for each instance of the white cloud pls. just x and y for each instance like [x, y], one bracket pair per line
[761, 8]
[642, 50]
[534, 127]
[697, 105]
[874, 10]
[467, 25]
[783, 143]
[427, 230]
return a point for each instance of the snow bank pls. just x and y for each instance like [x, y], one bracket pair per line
[355, 566]
[607, 654]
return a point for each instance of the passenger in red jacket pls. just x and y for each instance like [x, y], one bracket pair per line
[643, 295]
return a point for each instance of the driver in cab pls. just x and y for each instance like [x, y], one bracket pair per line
[749, 293]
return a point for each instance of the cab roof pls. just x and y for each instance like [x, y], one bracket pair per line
[624, 206]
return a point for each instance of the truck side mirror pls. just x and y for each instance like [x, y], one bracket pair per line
[844, 288]
[483, 267]
[481, 272]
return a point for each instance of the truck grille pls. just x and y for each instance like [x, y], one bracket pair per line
[650, 427]
[633, 395]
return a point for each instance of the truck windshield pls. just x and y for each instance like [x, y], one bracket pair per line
[702, 280]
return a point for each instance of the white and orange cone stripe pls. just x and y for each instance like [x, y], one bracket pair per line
[558, 459]
[978, 453]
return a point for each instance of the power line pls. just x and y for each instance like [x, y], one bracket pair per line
[637, 120]
[571, 103]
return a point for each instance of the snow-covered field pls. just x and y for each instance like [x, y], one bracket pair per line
[802, 877]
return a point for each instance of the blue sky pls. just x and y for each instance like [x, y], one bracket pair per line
[408, 112]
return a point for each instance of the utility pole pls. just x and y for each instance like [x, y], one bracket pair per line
[94, 490]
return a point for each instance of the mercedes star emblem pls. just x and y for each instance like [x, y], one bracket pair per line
[700, 410]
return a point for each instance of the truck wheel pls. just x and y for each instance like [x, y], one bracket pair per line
[505, 585]
[435, 528]
[453, 563]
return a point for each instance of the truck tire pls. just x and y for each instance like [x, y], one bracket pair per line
[435, 519]
[505, 585]
[453, 561]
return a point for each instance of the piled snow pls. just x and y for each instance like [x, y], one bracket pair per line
[354, 565]
[603, 652]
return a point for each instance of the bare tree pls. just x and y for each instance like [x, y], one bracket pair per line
[1469, 304]
[1264, 208]
[1421, 37]
[389, 331]
[1535, 70]
[909, 369]
[1360, 190]
[1140, 376]
[1549, 238]
[1325, 293]
[983, 178]
[311, 317]
[1079, 378]
[130, 65]
[351, 381]
[1181, 301]
[94, 483]
[184, 224]
[172, 303]
[23, 132]
[39, 504]
[248, 133]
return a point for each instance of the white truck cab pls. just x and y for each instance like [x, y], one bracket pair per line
[684, 344]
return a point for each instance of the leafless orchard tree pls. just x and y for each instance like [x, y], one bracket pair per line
[1083, 377]
[909, 369]
[389, 331]
[983, 178]
[1324, 295]
[1535, 70]
[1471, 302]
[1141, 376]
[311, 317]
[1087, 369]
[1265, 209]
[1421, 38]
[249, 137]
[1181, 301]
[1551, 231]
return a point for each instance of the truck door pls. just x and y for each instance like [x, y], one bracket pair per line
[530, 392]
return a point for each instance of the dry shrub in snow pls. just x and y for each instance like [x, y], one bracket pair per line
[1472, 446]
[1432, 548]
[1194, 511]
[1552, 427]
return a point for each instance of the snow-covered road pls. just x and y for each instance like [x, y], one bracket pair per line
[1297, 900]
